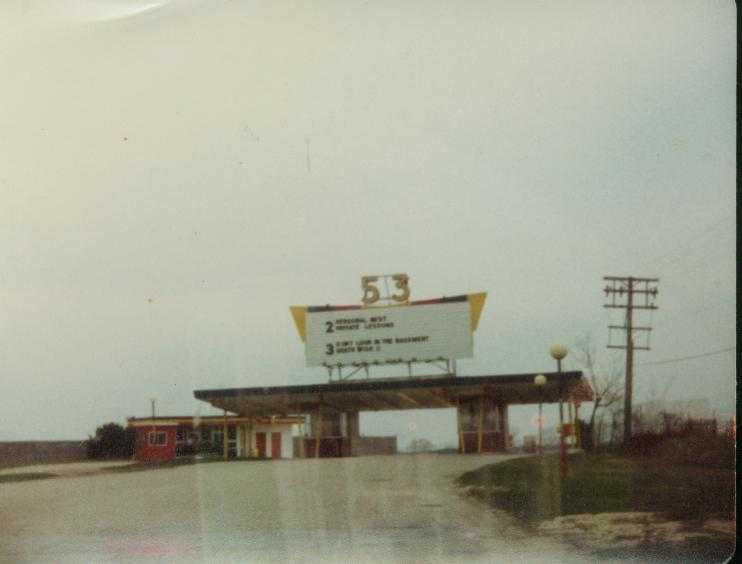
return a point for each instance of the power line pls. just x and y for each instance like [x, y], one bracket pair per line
[683, 358]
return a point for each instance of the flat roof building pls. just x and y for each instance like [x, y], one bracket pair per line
[167, 438]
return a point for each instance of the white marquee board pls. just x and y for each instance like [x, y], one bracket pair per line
[389, 334]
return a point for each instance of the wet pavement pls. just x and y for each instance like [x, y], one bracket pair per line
[365, 509]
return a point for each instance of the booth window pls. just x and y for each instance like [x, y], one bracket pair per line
[157, 438]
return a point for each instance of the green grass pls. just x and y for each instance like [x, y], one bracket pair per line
[25, 477]
[532, 490]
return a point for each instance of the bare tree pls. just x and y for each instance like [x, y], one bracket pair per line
[606, 379]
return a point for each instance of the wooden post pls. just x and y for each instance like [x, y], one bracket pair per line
[225, 440]
[629, 364]
[481, 425]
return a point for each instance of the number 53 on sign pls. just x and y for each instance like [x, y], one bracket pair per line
[399, 294]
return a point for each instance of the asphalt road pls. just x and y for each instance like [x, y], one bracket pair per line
[365, 509]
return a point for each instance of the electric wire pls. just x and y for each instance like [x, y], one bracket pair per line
[684, 358]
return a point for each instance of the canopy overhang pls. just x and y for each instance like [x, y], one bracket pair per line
[209, 420]
[398, 394]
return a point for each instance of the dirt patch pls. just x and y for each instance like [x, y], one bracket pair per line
[650, 535]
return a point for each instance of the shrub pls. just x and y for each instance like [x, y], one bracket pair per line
[111, 441]
[689, 443]
[643, 444]
[716, 451]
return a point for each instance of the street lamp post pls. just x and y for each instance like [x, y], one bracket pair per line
[540, 380]
[558, 352]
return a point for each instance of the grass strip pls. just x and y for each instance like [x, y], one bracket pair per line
[531, 488]
[25, 476]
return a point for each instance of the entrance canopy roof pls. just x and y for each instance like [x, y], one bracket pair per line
[400, 393]
[207, 420]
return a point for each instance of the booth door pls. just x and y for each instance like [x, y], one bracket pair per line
[260, 444]
[275, 445]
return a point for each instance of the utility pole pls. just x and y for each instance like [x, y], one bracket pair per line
[616, 287]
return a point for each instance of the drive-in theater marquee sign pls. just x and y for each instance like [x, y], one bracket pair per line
[396, 331]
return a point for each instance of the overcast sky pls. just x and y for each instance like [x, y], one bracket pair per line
[175, 174]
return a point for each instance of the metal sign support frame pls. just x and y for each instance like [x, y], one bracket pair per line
[446, 365]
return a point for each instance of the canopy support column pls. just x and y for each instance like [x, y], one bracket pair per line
[480, 425]
[225, 437]
[318, 432]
